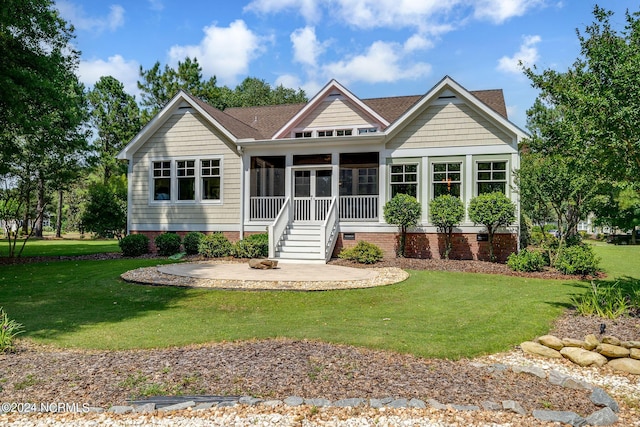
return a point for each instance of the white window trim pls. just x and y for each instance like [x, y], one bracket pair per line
[492, 159]
[174, 181]
[446, 160]
[405, 161]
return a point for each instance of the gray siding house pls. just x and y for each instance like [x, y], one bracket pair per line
[317, 175]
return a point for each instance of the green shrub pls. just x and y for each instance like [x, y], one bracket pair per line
[168, 244]
[404, 211]
[253, 246]
[578, 259]
[191, 242]
[215, 245]
[363, 253]
[9, 328]
[527, 261]
[134, 245]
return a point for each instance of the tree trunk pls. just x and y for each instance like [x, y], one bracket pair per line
[633, 235]
[59, 215]
[27, 217]
[37, 226]
[492, 257]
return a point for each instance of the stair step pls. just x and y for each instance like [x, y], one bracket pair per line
[300, 242]
[298, 255]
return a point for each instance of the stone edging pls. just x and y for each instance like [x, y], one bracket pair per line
[623, 356]
[599, 397]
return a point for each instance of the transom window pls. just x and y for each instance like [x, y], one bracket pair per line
[404, 179]
[492, 177]
[162, 180]
[447, 179]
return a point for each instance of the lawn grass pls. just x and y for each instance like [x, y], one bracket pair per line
[61, 247]
[432, 314]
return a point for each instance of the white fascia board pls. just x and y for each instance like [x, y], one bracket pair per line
[430, 97]
[159, 119]
[319, 97]
[346, 141]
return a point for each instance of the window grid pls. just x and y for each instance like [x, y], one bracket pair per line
[447, 179]
[210, 175]
[491, 177]
[186, 173]
[162, 180]
[404, 179]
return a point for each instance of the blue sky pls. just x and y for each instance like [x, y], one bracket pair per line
[376, 48]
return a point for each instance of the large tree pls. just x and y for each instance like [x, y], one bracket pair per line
[597, 96]
[35, 48]
[159, 85]
[115, 116]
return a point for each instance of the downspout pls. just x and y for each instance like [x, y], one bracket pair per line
[242, 192]
[129, 194]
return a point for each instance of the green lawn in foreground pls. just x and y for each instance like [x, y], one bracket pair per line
[432, 314]
[61, 247]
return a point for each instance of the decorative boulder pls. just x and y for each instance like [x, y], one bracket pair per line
[262, 264]
[571, 342]
[539, 349]
[612, 351]
[634, 353]
[608, 339]
[583, 357]
[591, 342]
[631, 344]
[551, 342]
[630, 366]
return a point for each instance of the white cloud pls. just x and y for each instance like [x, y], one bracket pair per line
[432, 17]
[76, 15]
[306, 47]
[527, 55]
[382, 62]
[499, 11]
[417, 42]
[156, 5]
[116, 66]
[224, 51]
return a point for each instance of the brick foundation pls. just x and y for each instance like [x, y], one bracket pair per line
[431, 245]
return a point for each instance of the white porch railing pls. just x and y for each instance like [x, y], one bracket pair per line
[329, 230]
[359, 208]
[265, 208]
[311, 208]
[350, 208]
[279, 226]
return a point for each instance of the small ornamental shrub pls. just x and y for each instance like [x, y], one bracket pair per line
[253, 246]
[578, 259]
[404, 211]
[9, 328]
[134, 245]
[168, 244]
[527, 261]
[191, 242]
[493, 210]
[446, 212]
[215, 245]
[363, 253]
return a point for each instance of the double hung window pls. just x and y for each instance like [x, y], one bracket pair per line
[447, 178]
[491, 177]
[404, 179]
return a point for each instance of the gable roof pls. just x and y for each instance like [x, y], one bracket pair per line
[274, 121]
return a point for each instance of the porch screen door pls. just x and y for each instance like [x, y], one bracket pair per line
[311, 194]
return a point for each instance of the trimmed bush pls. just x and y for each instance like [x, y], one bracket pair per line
[191, 242]
[527, 261]
[578, 259]
[215, 245]
[253, 246]
[363, 253]
[168, 244]
[134, 245]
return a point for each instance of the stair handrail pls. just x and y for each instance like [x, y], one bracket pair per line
[329, 230]
[279, 225]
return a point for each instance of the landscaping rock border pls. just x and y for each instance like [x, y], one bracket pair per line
[599, 397]
[623, 356]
